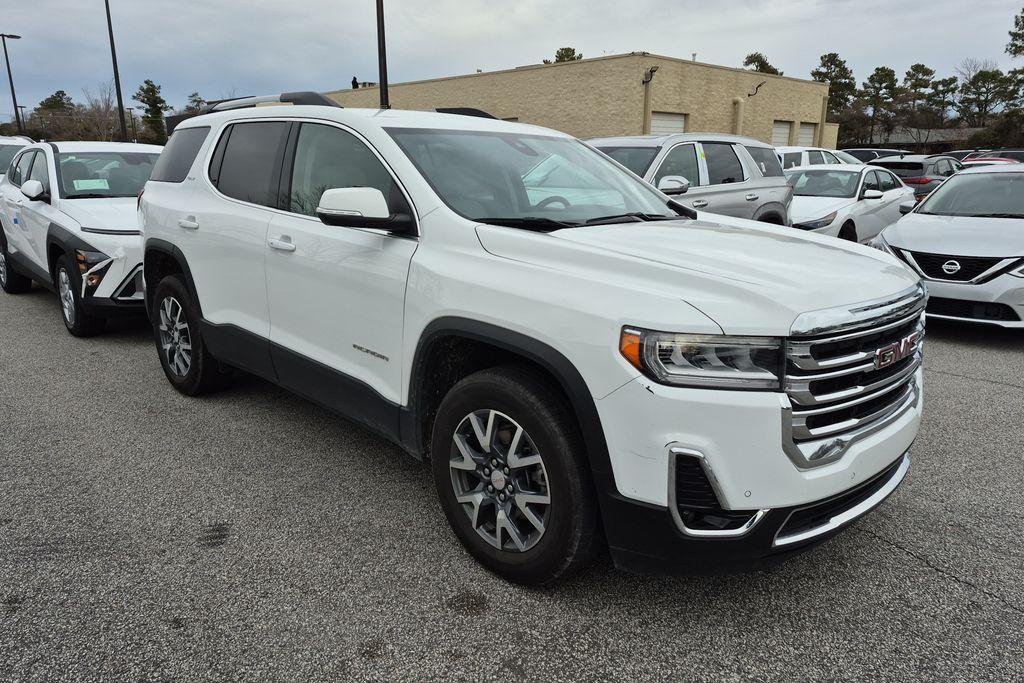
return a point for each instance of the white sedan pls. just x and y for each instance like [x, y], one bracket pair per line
[851, 202]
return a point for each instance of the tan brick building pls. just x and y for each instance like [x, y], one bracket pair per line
[606, 96]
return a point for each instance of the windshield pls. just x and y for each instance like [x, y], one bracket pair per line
[981, 195]
[822, 183]
[7, 153]
[847, 158]
[636, 159]
[904, 169]
[525, 178]
[85, 175]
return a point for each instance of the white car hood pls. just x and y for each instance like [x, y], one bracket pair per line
[115, 213]
[807, 209]
[958, 236]
[750, 278]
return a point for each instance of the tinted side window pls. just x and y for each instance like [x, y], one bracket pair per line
[815, 158]
[871, 181]
[39, 171]
[682, 161]
[177, 157]
[791, 159]
[886, 181]
[24, 163]
[328, 158]
[252, 161]
[830, 158]
[723, 164]
[766, 161]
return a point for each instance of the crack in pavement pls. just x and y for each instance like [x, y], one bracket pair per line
[944, 572]
[979, 379]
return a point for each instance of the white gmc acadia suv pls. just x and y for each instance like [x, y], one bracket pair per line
[582, 360]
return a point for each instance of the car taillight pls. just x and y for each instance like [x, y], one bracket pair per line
[917, 181]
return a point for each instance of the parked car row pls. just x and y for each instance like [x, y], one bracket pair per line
[583, 359]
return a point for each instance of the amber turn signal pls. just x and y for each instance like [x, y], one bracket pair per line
[629, 347]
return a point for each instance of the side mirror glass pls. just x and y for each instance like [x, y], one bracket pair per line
[673, 184]
[361, 207]
[872, 194]
[907, 207]
[33, 189]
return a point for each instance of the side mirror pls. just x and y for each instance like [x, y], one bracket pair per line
[907, 207]
[361, 207]
[674, 184]
[872, 194]
[33, 189]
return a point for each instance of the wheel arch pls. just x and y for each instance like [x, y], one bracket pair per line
[60, 240]
[160, 259]
[773, 213]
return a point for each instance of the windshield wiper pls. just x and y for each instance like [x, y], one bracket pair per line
[92, 195]
[535, 223]
[645, 217]
[997, 215]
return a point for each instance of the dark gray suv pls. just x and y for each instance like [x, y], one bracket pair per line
[920, 172]
[724, 174]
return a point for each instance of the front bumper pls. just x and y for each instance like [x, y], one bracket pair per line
[999, 301]
[120, 291]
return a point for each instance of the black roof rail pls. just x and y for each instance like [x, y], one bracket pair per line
[466, 111]
[299, 98]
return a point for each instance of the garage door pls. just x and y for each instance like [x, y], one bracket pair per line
[663, 123]
[780, 133]
[807, 134]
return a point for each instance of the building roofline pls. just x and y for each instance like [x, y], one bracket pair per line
[529, 67]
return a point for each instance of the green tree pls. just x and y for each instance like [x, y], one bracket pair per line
[57, 103]
[565, 54]
[842, 85]
[1015, 48]
[195, 104]
[983, 95]
[153, 108]
[942, 97]
[756, 61]
[881, 93]
[916, 84]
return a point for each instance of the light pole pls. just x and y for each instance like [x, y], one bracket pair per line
[117, 76]
[131, 113]
[382, 57]
[10, 78]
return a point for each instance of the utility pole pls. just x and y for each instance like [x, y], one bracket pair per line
[382, 57]
[131, 113]
[10, 78]
[117, 76]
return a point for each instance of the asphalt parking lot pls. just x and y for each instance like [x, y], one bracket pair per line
[252, 536]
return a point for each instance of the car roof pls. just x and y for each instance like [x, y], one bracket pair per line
[84, 146]
[849, 168]
[1006, 168]
[382, 118]
[870, 149]
[14, 140]
[915, 158]
[797, 148]
[662, 140]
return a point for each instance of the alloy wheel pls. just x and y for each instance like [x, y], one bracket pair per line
[3, 268]
[67, 296]
[499, 479]
[175, 337]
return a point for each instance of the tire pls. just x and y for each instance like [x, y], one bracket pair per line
[549, 464]
[848, 232]
[187, 363]
[11, 281]
[68, 283]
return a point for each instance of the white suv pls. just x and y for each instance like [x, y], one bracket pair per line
[69, 215]
[580, 358]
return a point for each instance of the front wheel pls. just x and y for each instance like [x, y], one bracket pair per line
[10, 281]
[68, 282]
[187, 363]
[512, 477]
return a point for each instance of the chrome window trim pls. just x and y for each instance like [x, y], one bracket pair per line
[850, 514]
[860, 315]
[674, 452]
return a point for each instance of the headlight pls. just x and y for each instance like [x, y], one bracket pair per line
[881, 245]
[820, 223]
[87, 262]
[702, 360]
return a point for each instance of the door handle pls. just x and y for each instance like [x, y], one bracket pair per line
[283, 243]
[752, 197]
[700, 203]
[189, 223]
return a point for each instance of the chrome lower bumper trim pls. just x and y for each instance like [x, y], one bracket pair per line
[850, 514]
[676, 451]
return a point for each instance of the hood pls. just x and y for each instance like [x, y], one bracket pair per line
[115, 213]
[750, 278]
[806, 209]
[958, 235]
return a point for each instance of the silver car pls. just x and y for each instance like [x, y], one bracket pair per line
[723, 174]
[967, 241]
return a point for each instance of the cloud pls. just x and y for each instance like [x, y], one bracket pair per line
[240, 47]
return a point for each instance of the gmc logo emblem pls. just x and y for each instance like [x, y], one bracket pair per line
[897, 351]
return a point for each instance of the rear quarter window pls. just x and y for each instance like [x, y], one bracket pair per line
[179, 154]
[766, 161]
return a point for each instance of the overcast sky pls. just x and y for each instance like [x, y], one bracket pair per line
[241, 47]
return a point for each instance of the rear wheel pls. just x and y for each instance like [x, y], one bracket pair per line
[68, 283]
[848, 232]
[188, 365]
[11, 281]
[512, 477]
